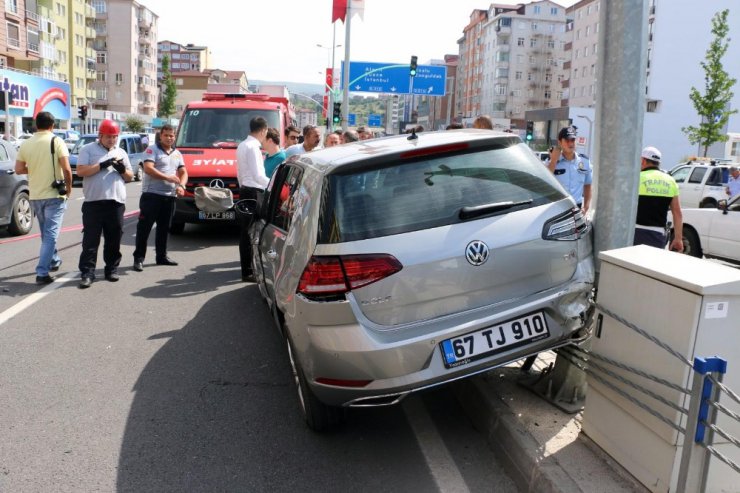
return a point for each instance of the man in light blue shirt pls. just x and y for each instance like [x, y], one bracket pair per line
[572, 170]
[733, 183]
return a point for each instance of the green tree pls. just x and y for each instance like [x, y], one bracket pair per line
[135, 124]
[169, 91]
[712, 106]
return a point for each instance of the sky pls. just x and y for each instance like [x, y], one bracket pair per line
[276, 40]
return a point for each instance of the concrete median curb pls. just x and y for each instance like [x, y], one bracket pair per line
[521, 454]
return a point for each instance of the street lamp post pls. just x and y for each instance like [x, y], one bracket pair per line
[333, 47]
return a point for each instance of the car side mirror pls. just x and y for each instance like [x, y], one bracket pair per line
[722, 205]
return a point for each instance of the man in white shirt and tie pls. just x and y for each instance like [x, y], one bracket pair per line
[252, 179]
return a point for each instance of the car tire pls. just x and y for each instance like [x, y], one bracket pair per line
[177, 228]
[21, 215]
[691, 245]
[708, 204]
[318, 416]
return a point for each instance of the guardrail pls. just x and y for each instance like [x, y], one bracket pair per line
[704, 394]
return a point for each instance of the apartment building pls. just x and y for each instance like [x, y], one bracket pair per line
[469, 82]
[20, 34]
[126, 57]
[183, 58]
[524, 57]
[579, 86]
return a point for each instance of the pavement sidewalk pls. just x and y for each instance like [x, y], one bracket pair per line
[542, 448]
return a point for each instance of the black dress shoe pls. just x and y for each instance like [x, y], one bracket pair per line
[47, 279]
[166, 261]
[112, 277]
[138, 265]
[85, 282]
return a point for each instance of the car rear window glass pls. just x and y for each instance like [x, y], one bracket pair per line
[697, 175]
[405, 196]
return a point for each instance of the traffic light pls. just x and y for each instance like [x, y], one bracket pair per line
[530, 130]
[412, 66]
[337, 114]
[82, 112]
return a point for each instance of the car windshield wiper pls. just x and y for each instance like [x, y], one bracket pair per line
[471, 212]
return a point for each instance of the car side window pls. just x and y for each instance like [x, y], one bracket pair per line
[715, 177]
[697, 175]
[124, 145]
[136, 145]
[285, 190]
[680, 174]
[4, 154]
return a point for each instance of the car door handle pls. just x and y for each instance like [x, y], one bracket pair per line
[9, 171]
[271, 254]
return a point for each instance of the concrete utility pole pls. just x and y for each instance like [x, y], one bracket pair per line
[620, 108]
[620, 111]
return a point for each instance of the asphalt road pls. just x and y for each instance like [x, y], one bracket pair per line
[174, 379]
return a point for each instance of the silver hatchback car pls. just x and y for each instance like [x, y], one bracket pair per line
[401, 263]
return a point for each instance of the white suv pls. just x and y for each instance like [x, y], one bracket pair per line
[701, 185]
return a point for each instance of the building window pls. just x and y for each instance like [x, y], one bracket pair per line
[588, 30]
[548, 94]
[178, 82]
[520, 41]
[516, 93]
[585, 51]
[551, 43]
[548, 77]
[559, 95]
[500, 89]
[537, 9]
[575, 73]
[518, 76]
[61, 10]
[14, 35]
[532, 42]
[530, 76]
[101, 76]
[578, 34]
[532, 60]
[11, 6]
[119, 77]
[101, 57]
[534, 26]
[553, 11]
[594, 49]
[520, 59]
[502, 72]
[80, 83]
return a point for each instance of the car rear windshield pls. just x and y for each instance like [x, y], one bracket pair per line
[405, 195]
[214, 127]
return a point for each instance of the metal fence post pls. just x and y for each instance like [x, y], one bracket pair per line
[692, 475]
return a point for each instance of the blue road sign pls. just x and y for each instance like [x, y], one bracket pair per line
[394, 78]
[374, 120]
[352, 119]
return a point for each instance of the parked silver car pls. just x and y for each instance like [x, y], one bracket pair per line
[401, 263]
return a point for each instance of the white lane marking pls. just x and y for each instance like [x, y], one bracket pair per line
[440, 462]
[35, 297]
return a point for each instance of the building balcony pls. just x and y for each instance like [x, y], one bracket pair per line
[565, 83]
[89, 11]
[145, 21]
[101, 31]
[145, 40]
[90, 33]
[89, 53]
[32, 17]
[91, 74]
[13, 43]
[33, 48]
[503, 29]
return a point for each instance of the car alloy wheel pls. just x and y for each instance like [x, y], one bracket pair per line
[21, 220]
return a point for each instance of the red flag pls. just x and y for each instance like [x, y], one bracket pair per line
[329, 79]
[339, 10]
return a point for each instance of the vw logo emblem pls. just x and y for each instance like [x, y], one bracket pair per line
[217, 183]
[476, 253]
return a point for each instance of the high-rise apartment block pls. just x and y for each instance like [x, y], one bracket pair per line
[183, 58]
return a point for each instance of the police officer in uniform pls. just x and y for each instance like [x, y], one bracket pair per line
[571, 169]
[658, 192]
[104, 168]
[165, 177]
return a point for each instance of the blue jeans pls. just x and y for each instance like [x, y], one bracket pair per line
[49, 213]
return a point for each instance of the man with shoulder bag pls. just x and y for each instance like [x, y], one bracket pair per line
[45, 159]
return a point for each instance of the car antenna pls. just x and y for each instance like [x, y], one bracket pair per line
[413, 135]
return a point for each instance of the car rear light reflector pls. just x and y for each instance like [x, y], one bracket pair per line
[343, 383]
[568, 226]
[339, 274]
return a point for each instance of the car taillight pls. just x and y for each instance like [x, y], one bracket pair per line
[570, 225]
[326, 275]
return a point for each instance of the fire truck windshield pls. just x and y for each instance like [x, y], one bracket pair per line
[219, 127]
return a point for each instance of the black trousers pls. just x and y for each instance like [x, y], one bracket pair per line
[106, 217]
[153, 208]
[245, 243]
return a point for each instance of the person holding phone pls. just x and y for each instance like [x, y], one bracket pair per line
[573, 171]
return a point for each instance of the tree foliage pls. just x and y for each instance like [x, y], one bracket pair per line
[169, 91]
[135, 124]
[713, 105]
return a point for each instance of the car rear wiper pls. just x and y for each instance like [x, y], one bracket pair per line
[471, 212]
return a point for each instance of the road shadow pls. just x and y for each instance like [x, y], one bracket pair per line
[202, 279]
[215, 409]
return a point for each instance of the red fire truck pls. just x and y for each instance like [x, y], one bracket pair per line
[209, 133]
